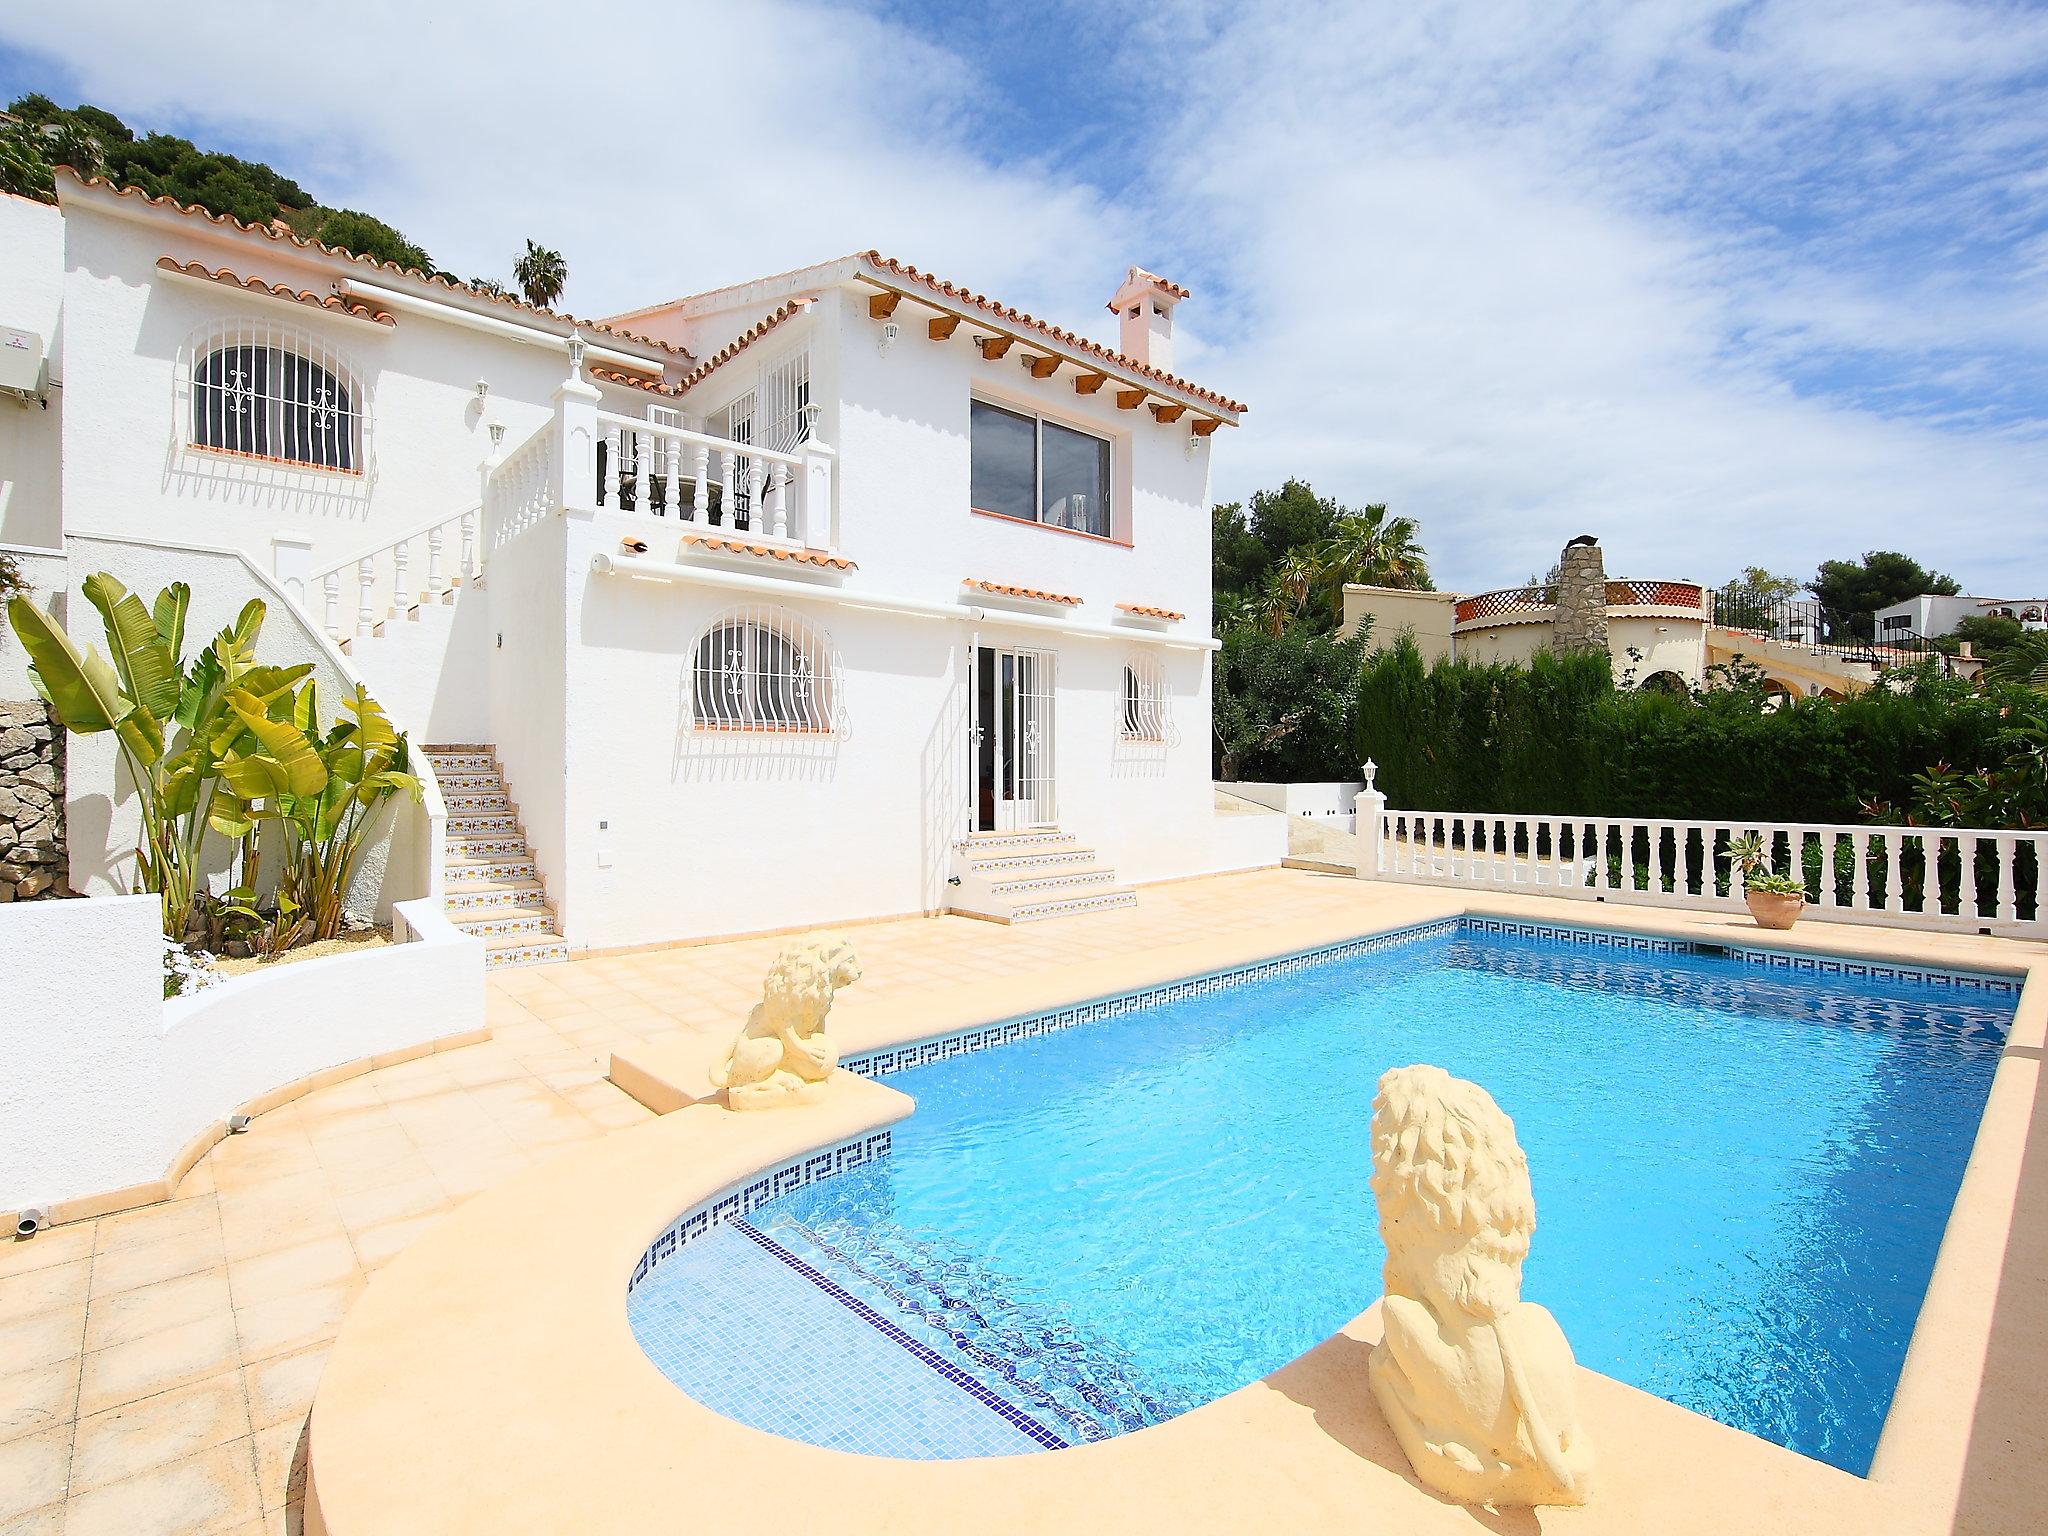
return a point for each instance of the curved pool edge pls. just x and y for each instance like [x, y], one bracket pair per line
[517, 1301]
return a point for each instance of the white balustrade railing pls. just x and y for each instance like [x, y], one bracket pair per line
[520, 489]
[714, 482]
[1962, 880]
[421, 565]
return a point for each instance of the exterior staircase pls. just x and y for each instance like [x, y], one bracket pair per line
[1026, 877]
[493, 888]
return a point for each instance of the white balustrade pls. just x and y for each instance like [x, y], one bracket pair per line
[715, 483]
[383, 575]
[1965, 880]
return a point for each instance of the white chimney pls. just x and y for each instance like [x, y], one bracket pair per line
[1144, 317]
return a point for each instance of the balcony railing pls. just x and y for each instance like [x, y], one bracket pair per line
[1538, 601]
[712, 482]
[1819, 629]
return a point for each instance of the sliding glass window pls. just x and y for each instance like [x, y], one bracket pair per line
[1038, 470]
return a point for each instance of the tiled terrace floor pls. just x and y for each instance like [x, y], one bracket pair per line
[156, 1367]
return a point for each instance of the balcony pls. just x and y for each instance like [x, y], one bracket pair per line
[1537, 604]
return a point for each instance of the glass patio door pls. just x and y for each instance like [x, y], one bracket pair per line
[1011, 738]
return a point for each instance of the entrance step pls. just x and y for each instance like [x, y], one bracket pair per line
[493, 890]
[1027, 877]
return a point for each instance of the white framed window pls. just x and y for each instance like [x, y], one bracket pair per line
[263, 390]
[1038, 470]
[765, 669]
[1144, 701]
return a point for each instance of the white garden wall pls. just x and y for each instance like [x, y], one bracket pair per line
[106, 1081]
[31, 292]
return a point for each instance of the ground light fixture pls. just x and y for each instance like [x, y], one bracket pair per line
[237, 1123]
[31, 1221]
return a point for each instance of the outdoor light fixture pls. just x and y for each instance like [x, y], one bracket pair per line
[497, 435]
[31, 1221]
[237, 1123]
[890, 332]
[1194, 443]
[575, 351]
[483, 390]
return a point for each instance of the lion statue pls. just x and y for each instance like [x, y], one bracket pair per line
[1477, 1383]
[783, 1056]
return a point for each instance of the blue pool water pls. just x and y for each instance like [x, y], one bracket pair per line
[1742, 1175]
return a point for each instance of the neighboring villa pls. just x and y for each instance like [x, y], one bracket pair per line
[1660, 633]
[1937, 613]
[821, 573]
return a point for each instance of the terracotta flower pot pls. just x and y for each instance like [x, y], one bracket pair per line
[1772, 910]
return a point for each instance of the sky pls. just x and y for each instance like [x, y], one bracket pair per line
[1726, 285]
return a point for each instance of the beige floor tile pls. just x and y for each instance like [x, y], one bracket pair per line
[162, 1362]
[33, 1470]
[391, 1202]
[159, 1223]
[39, 1397]
[125, 1316]
[168, 1427]
[59, 1245]
[208, 1493]
[281, 1464]
[126, 1268]
[47, 1521]
[46, 1337]
[291, 1323]
[44, 1290]
[465, 1175]
[379, 1245]
[282, 1388]
[325, 1261]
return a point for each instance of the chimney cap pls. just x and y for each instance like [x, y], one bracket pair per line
[1138, 283]
[1582, 541]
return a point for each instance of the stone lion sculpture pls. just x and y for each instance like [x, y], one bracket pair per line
[1477, 1383]
[784, 1056]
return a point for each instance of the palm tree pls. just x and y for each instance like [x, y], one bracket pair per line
[1372, 549]
[541, 275]
[1287, 590]
[2025, 661]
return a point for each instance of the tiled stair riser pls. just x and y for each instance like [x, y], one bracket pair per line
[995, 864]
[492, 871]
[487, 898]
[1039, 911]
[1077, 881]
[492, 885]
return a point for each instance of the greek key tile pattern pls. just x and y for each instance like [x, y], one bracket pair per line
[758, 1192]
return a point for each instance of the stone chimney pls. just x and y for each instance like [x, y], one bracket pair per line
[1144, 315]
[1581, 623]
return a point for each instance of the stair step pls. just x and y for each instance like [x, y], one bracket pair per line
[503, 845]
[482, 823]
[523, 949]
[460, 763]
[471, 802]
[976, 842]
[1015, 860]
[495, 922]
[464, 873]
[476, 896]
[1062, 906]
[1054, 879]
[476, 781]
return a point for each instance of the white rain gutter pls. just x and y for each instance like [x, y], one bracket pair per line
[492, 325]
[916, 607]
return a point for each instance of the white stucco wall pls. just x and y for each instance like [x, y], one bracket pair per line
[48, 576]
[31, 291]
[106, 1080]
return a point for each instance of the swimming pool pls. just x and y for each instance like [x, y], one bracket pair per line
[1743, 1166]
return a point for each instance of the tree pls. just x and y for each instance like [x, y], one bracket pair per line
[1747, 601]
[1283, 704]
[1856, 589]
[542, 274]
[1987, 634]
[362, 235]
[490, 288]
[1369, 548]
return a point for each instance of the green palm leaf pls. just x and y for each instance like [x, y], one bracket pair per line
[295, 757]
[172, 604]
[140, 657]
[80, 685]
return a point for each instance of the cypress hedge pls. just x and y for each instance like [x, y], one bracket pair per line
[1560, 737]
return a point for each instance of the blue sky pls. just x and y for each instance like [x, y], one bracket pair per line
[1725, 284]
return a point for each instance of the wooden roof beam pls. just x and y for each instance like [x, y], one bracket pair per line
[1207, 425]
[1088, 383]
[1168, 413]
[1042, 367]
[882, 305]
[942, 327]
[1129, 399]
[993, 347]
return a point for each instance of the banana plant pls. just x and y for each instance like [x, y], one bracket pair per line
[173, 724]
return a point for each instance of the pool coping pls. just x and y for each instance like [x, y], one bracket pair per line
[584, 1432]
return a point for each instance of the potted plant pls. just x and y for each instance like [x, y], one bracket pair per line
[1774, 900]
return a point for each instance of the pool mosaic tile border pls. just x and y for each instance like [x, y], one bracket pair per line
[923, 1353]
[984, 1037]
[790, 1176]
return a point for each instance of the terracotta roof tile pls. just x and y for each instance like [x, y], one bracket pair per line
[327, 301]
[1167, 283]
[816, 557]
[286, 237]
[1002, 589]
[1078, 342]
[739, 344]
[633, 380]
[1143, 612]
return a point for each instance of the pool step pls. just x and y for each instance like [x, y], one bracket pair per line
[1027, 877]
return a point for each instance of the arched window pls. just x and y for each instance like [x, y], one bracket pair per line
[274, 392]
[764, 670]
[1144, 717]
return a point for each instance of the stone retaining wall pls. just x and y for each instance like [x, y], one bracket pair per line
[33, 861]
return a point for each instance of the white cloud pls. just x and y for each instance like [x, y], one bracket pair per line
[1523, 269]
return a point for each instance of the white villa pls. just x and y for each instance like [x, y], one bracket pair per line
[848, 571]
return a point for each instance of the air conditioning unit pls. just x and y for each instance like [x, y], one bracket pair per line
[24, 369]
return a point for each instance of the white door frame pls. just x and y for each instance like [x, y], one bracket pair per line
[1010, 743]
